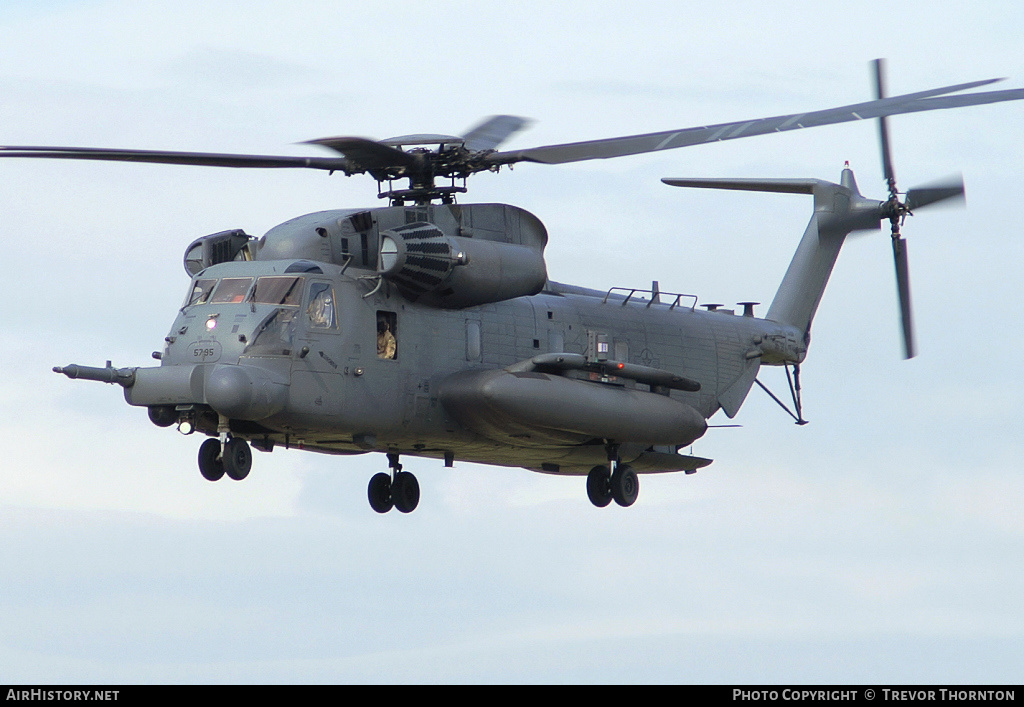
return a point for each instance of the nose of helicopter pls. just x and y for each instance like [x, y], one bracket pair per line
[244, 392]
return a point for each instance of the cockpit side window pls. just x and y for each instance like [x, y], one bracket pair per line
[200, 293]
[321, 310]
[275, 336]
[231, 289]
[277, 290]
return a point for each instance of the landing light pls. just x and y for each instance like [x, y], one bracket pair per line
[211, 323]
[185, 427]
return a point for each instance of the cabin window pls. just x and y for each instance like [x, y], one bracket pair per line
[321, 310]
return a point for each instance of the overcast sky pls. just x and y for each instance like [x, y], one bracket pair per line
[880, 543]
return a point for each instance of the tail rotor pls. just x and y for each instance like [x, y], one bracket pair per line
[897, 211]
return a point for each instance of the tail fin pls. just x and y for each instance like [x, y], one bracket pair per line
[839, 209]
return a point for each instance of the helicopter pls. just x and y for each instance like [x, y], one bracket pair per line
[430, 328]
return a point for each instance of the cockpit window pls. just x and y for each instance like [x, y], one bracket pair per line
[277, 290]
[231, 289]
[320, 309]
[275, 336]
[201, 290]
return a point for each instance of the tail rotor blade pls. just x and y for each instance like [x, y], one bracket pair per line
[899, 251]
[883, 128]
[946, 190]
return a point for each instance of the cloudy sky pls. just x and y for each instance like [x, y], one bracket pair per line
[880, 543]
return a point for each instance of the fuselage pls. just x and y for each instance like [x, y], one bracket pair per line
[291, 353]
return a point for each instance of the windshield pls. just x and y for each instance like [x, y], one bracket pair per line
[277, 290]
[201, 290]
[231, 289]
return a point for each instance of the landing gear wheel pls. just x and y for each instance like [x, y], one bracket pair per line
[599, 488]
[405, 492]
[237, 459]
[625, 485]
[210, 464]
[379, 493]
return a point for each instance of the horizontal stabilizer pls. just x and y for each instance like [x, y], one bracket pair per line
[850, 212]
[839, 209]
[779, 186]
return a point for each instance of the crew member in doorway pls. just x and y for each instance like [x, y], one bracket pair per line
[386, 344]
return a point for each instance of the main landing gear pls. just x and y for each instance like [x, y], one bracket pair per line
[234, 458]
[399, 489]
[621, 485]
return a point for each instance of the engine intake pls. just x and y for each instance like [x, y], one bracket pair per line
[455, 271]
[216, 248]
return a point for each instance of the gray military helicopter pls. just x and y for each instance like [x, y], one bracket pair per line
[429, 328]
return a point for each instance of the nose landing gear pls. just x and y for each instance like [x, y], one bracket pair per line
[398, 490]
[237, 458]
[380, 493]
[233, 458]
[211, 466]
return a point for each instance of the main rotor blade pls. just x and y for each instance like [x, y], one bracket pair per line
[368, 154]
[927, 194]
[385, 161]
[204, 159]
[653, 142]
[493, 131]
[899, 251]
[883, 129]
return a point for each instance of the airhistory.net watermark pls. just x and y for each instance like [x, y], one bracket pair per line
[40, 695]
